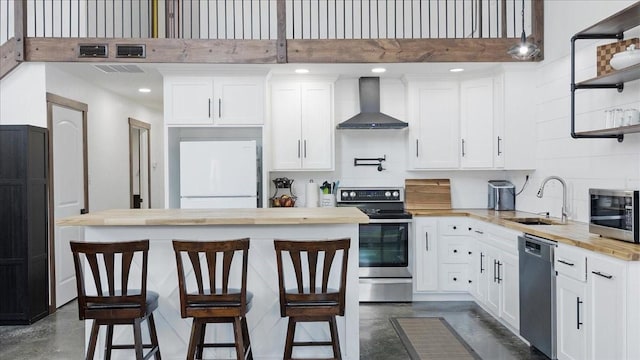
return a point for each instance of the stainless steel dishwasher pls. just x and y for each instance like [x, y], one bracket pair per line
[538, 293]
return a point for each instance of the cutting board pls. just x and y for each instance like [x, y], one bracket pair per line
[427, 194]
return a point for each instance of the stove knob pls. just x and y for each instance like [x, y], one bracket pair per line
[396, 194]
[387, 194]
[345, 194]
[352, 194]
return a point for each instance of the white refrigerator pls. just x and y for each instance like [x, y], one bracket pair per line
[218, 174]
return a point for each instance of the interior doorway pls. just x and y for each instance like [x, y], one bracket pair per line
[139, 164]
[67, 123]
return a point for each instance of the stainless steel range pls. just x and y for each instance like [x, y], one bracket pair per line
[383, 243]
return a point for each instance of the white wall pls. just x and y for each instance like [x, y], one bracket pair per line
[108, 140]
[582, 163]
[23, 98]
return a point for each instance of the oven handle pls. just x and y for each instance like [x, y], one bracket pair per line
[385, 280]
[389, 221]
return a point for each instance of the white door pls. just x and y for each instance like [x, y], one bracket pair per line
[68, 194]
[426, 255]
[510, 283]
[144, 170]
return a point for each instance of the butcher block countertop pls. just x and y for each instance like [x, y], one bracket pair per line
[270, 216]
[573, 233]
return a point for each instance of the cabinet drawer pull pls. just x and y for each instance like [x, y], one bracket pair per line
[495, 271]
[455, 227]
[479, 232]
[209, 107]
[417, 148]
[426, 238]
[499, 141]
[298, 149]
[462, 147]
[481, 257]
[578, 322]
[499, 278]
[607, 276]
[220, 108]
[305, 148]
[455, 279]
[565, 262]
[455, 251]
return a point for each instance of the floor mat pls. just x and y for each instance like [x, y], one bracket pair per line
[432, 338]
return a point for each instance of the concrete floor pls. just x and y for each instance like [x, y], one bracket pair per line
[61, 336]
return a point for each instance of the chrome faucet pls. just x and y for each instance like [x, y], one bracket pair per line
[564, 194]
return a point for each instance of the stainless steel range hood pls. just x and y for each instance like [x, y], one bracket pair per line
[370, 116]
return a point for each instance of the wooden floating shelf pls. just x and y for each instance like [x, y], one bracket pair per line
[617, 77]
[612, 131]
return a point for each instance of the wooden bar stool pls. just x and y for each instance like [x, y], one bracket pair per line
[312, 300]
[116, 305]
[215, 302]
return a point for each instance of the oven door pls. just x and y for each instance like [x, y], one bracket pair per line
[384, 261]
[384, 243]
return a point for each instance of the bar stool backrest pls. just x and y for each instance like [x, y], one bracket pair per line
[304, 256]
[116, 291]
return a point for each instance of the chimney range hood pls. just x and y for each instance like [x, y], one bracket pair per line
[370, 116]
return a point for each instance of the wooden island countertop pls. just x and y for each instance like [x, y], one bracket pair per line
[260, 216]
[573, 233]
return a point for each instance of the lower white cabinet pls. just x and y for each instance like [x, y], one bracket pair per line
[425, 276]
[592, 310]
[495, 272]
[572, 336]
[606, 308]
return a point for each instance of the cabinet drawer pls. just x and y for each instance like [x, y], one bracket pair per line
[571, 261]
[454, 277]
[453, 227]
[454, 250]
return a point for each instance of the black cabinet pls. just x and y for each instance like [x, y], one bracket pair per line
[24, 222]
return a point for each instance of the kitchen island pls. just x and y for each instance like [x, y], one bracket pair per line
[267, 329]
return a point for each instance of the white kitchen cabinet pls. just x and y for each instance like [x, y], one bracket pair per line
[434, 129]
[454, 255]
[302, 125]
[476, 123]
[519, 122]
[503, 283]
[570, 313]
[211, 100]
[606, 308]
[426, 254]
[479, 273]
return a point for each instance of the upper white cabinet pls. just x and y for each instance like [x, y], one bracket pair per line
[302, 134]
[476, 123]
[206, 100]
[434, 129]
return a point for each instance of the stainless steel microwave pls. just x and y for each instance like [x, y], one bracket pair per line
[614, 214]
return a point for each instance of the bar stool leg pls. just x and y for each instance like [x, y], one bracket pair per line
[154, 336]
[93, 339]
[237, 332]
[194, 339]
[108, 342]
[137, 338]
[291, 332]
[245, 338]
[335, 342]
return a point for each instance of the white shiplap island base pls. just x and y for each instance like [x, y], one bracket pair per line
[267, 329]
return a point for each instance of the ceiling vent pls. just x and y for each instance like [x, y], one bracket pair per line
[130, 51]
[120, 68]
[93, 50]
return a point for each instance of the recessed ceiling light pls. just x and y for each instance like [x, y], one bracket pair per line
[144, 90]
[456, 70]
[302, 71]
[378, 70]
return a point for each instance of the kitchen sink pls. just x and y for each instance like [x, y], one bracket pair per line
[534, 221]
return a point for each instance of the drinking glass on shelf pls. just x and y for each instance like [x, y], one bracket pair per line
[608, 119]
[631, 117]
[618, 117]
